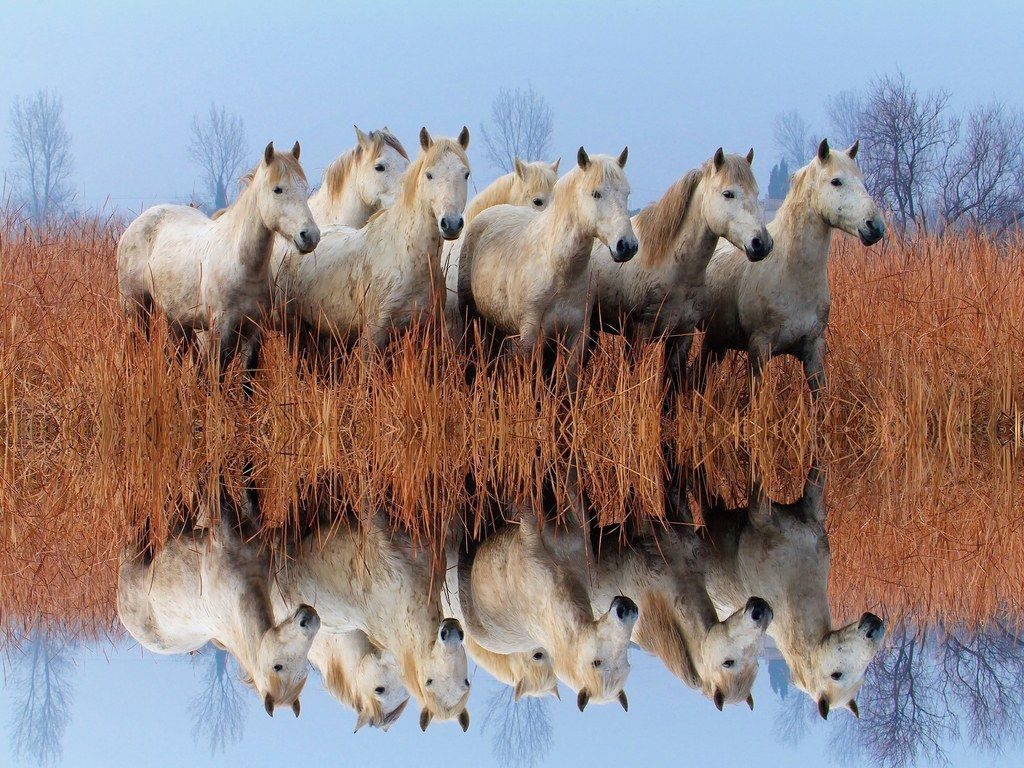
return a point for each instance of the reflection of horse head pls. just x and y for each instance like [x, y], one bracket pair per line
[210, 584]
[365, 576]
[523, 590]
[781, 551]
[662, 568]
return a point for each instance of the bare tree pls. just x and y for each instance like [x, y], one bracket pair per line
[981, 176]
[218, 147]
[794, 140]
[844, 111]
[41, 690]
[521, 126]
[41, 162]
[217, 714]
[904, 133]
[522, 733]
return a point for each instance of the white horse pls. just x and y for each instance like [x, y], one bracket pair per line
[526, 274]
[212, 585]
[781, 306]
[368, 284]
[781, 551]
[211, 275]
[524, 589]
[368, 578]
[660, 294]
[360, 182]
[528, 185]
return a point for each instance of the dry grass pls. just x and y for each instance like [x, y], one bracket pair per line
[923, 411]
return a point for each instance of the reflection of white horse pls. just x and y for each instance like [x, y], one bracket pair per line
[524, 589]
[361, 676]
[369, 578]
[781, 551]
[210, 585]
[528, 674]
[663, 571]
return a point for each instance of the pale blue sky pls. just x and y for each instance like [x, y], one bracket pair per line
[672, 80]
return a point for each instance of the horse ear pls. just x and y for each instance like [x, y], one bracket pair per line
[854, 148]
[519, 168]
[719, 699]
[582, 699]
[622, 157]
[719, 158]
[517, 694]
[296, 150]
[464, 720]
[425, 140]
[852, 706]
[268, 704]
[623, 701]
[554, 165]
[425, 718]
[555, 693]
[296, 707]
[582, 158]
[823, 150]
[750, 156]
[464, 137]
[362, 720]
[750, 701]
[268, 153]
[361, 138]
[823, 708]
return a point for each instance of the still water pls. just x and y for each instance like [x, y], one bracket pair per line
[734, 627]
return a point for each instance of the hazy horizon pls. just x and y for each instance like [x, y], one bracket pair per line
[672, 83]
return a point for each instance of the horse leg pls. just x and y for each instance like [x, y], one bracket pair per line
[677, 354]
[758, 355]
[707, 356]
[813, 358]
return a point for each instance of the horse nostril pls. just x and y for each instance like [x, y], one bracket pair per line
[461, 223]
[756, 244]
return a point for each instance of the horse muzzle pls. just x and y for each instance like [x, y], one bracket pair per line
[451, 227]
[872, 231]
[308, 239]
[871, 626]
[625, 249]
[759, 247]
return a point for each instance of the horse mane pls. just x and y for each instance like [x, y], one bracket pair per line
[283, 164]
[336, 174]
[659, 223]
[411, 678]
[601, 167]
[659, 633]
[497, 192]
[411, 177]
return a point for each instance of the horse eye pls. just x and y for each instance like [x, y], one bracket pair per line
[597, 663]
[837, 675]
[379, 167]
[538, 202]
[430, 176]
[729, 194]
[430, 681]
[278, 190]
[597, 195]
[467, 174]
[278, 667]
[538, 656]
[379, 690]
[466, 682]
[837, 182]
[728, 663]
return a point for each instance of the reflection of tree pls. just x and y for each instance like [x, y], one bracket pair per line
[983, 673]
[41, 693]
[926, 693]
[217, 714]
[795, 716]
[522, 734]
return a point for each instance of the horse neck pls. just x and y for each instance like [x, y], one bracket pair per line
[695, 615]
[567, 241]
[253, 239]
[694, 242]
[802, 237]
[338, 660]
[800, 623]
[246, 626]
[346, 207]
[414, 219]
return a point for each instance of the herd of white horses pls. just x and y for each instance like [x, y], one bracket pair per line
[539, 261]
[535, 604]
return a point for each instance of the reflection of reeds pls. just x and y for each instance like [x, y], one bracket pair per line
[99, 431]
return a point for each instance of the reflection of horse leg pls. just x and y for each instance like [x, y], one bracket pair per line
[811, 500]
[699, 371]
[677, 354]
[251, 361]
[813, 358]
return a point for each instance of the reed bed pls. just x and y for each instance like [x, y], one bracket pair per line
[918, 428]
